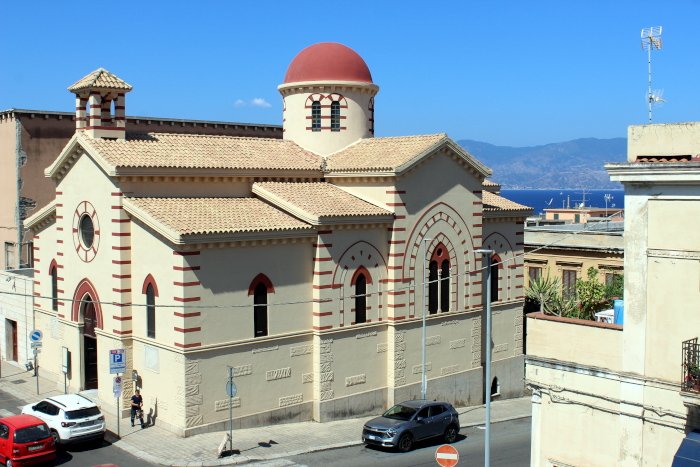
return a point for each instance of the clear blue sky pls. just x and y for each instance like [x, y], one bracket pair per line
[504, 72]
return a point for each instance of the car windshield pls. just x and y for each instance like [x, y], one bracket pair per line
[82, 413]
[400, 412]
[31, 434]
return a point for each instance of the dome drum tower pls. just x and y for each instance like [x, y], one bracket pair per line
[328, 98]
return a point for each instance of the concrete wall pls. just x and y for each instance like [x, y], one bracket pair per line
[16, 292]
[8, 180]
[673, 139]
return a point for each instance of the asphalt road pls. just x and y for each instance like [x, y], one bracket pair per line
[84, 455]
[510, 446]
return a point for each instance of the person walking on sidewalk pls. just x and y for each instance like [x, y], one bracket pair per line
[137, 407]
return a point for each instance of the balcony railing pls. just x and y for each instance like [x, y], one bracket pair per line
[691, 366]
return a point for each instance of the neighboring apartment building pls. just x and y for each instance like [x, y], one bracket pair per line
[30, 141]
[298, 262]
[606, 394]
[567, 252]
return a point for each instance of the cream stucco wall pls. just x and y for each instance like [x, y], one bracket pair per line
[356, 118]
[632, 394]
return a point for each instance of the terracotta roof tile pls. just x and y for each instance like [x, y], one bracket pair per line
[317, 200]
[667, 159]
[165, 150]
[493, 202]
[490, 184]
[381, 154]
[100, 78]
[201, 216]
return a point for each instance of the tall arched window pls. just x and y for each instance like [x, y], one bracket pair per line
[495, 263]
[54, 287]
[335, 116]
[260, 310]
[150, 311]
[259, 288]
[316, 116]
[360, 298]
[445, 286]
[433, 287]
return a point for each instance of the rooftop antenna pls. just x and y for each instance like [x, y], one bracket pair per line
[651, 39]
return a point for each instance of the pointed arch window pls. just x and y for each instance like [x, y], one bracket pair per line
[359, 282]
[433, 287]
[260, 310]
[439, 297]
[360, 299]
[54, 286]
[150, 290]
[335, 116]
[316, 116]
[445, 286]
[259, 288]
[495, 265]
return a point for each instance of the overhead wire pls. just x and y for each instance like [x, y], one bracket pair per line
[412, 285]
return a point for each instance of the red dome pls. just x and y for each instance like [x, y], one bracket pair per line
[328, 61]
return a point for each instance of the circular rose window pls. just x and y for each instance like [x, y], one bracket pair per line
[86, 231]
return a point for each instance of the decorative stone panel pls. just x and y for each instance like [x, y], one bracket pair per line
[432, 340]
[459, 343]
[266, 349]
[355, 380]
[291, 400]
[279, 373]
[224, 404]
[300, 350]
[419, 368]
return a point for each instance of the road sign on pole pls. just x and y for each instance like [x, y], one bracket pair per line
[35, 335]
[117, 386]
[447, 456]
[117, 361]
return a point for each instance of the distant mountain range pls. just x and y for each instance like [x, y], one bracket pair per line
[572, 164]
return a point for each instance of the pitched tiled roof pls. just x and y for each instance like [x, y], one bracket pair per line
[493, 202]
[100, 78]
[315, 202]
[381, 154]
[165, 150]
[203, 216]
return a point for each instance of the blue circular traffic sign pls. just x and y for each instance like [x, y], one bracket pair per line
[35, 335]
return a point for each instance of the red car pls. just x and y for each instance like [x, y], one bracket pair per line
[25, 440]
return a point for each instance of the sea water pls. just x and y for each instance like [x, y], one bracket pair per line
[540, 200]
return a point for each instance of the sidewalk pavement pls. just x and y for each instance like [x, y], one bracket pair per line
[159, 446]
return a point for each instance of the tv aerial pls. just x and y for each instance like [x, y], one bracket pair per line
[651, 40]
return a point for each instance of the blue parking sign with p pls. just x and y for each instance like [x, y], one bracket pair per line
[117, 361]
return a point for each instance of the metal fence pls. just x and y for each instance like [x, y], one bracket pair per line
[690, 381]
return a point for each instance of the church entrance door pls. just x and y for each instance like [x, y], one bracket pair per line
[89, 343]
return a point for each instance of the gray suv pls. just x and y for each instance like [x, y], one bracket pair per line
[411, 421]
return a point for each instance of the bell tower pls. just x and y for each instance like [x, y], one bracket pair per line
[100, 105]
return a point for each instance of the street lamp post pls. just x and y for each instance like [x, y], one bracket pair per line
[487, 379]
[424, 378]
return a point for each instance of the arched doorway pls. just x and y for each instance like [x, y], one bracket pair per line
[89, 314]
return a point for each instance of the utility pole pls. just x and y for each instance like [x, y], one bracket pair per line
[424, 378]
[487, 379]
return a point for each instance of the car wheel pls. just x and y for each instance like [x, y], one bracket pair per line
[9, 463]
[56, 438]
[450, 435]
[405, 442]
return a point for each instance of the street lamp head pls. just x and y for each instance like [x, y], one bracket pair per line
[484, 251]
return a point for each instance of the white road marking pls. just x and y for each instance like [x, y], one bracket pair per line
[5, 413]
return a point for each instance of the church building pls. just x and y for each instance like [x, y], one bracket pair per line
[305, 263]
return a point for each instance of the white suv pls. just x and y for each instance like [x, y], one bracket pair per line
[71, 417]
